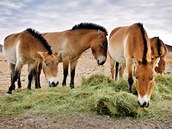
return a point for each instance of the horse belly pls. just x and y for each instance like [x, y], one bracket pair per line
[117, 55]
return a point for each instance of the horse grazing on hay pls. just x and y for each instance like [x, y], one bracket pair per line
[128, 46]
[29, 47]
[75, 41]
[159, 53]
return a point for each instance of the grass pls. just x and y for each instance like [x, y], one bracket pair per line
[97, 93]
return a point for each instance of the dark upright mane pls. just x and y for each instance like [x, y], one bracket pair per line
[158, 41]
[38, 36]
[144, 61]
[89, 26]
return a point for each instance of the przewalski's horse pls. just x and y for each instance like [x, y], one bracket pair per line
[129, 45]
[29, 47]
[159, 53]
[75, 41]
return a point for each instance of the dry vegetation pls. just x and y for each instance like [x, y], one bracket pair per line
[79, 108]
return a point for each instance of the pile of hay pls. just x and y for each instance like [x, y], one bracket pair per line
[98, 93]
[112, 98]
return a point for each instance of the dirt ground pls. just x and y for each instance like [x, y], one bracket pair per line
[86, 67]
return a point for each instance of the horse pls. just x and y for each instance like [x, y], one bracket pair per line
[29, 47]
[129, 46]
[73, 42]
[159, 53]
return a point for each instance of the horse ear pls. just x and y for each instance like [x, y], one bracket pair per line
[43, 54]
[100, 33]
[59, 56]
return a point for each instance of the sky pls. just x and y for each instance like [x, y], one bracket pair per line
[60, 15]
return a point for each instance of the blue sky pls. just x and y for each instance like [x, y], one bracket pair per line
[59, 15]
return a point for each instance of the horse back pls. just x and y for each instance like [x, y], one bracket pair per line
[21, 46]
[55, 39]
[130, 41]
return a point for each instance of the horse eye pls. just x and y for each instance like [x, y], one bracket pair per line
[150, 78]
[46, 64]
[136, 76]
[104, 44]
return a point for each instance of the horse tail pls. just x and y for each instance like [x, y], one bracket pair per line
[144, 61]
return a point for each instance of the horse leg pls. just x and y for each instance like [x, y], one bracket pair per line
[14, 75]
[19, 81]
[65, 72]
[31, 71]
[72, 71]
[37, 76]
[121, 71]
[129, 64]
[12, 69]
[116, 71]
[112, 62]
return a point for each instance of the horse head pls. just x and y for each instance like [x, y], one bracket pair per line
[50, 66]
[145, 83]
[99, 47]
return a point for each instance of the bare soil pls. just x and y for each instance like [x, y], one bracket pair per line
[86, 67]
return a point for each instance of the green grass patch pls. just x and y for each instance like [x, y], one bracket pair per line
[97, 93]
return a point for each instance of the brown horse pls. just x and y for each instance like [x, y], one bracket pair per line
[29, 47]
[130, 45]
[75, 41]
[159, 53]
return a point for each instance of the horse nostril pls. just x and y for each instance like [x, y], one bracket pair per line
[100, 62]
[143, 105]
[53, 84]
[147, 105]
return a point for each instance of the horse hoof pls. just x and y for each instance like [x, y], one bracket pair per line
[72, 86]
[9, 93]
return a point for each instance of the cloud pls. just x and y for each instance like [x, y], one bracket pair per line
[57, 15]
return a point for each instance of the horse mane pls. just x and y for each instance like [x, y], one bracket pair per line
[38, 36]
[89, 26]
[144, 61]
[158, 41]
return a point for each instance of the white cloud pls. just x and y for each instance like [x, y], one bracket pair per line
[57, 15]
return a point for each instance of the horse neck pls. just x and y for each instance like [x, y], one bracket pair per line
[85, 40]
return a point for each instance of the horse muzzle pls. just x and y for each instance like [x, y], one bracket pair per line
[53, 82]
[145, 104]
[143, 101]
[101, 60]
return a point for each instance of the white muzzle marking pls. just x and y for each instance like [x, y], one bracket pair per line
[143, 99]
[101, 59]
[53, 80]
